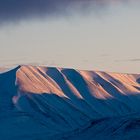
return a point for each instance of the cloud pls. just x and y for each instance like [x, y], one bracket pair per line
[104, 55]
[15, 10]
[129, 60]
[134, 60]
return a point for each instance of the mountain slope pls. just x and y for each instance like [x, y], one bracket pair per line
[45, 102]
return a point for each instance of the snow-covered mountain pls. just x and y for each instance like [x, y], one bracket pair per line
[46, 103]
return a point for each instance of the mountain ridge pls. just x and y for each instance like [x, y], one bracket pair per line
[62, 101]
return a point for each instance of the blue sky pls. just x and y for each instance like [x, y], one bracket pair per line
[96, 36]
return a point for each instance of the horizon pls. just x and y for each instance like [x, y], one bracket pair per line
[12, 67]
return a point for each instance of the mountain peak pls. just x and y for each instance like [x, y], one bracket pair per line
[65, 100]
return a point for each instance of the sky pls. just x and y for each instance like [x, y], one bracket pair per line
[83, 34]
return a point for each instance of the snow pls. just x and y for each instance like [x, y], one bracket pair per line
[58, 103]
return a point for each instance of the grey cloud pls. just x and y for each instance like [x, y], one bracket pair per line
[14, 10]
[129, 60]
[134, 60]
